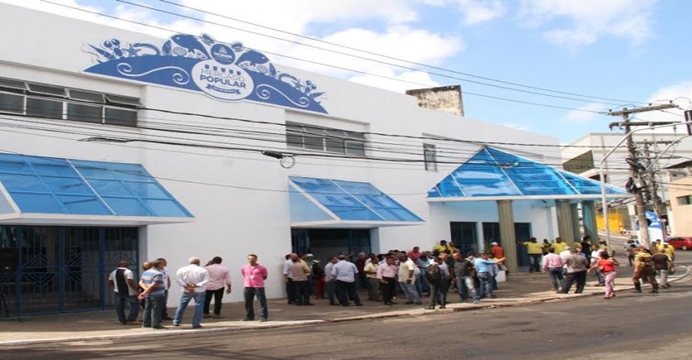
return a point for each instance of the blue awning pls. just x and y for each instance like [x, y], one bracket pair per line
[339, 203]
[45, 190]
[492, 174]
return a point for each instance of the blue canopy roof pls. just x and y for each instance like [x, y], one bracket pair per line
[80, 192]
[325, 202]
[495, 174]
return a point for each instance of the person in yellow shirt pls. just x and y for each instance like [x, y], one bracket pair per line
[669, 250]
[535, 251]
[644, 268]
[443, 247]
[659, 244]
[559, 245]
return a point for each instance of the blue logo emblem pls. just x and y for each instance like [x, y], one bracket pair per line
[228, 72]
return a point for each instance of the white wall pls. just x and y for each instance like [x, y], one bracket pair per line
[238, 197]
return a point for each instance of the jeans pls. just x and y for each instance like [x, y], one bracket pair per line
[199, 306]
[486, 288]
[290, 291]
[331, 291]
[438, 293]
[387, 290]
[410, 291]
[345, 291]
[120, 301]
[465, 284]
[300, 288]
[374, 292]
[218, 295]
[609, 282]
[664, 277]
[419, 285]
[556, 277]
[153, 311]
[600, 278]
[249, 295]
[535, 262]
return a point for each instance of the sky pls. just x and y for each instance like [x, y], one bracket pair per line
[578, 57]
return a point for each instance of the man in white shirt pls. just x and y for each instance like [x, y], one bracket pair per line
[407, 279]
[123, 283]
[193, 279]
[288, 279]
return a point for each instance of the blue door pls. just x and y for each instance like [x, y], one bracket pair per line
[63, 269]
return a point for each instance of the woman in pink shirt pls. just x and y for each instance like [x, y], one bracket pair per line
[606, 265]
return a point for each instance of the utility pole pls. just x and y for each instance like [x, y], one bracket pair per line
[634, 164]
[652, 166]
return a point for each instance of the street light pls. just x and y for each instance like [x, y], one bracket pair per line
[601, 173]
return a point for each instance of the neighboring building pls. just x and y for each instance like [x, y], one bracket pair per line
[584, 156]
[680, 191]
[118, 145]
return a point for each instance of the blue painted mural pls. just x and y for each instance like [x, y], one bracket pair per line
[227, 72]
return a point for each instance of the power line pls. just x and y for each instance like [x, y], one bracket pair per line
[334, 66]
[141, 6]
[385, 56]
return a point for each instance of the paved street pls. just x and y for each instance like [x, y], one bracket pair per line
[631, 326]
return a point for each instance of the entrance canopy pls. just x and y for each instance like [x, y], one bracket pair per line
[53, 191]
[326, 203]
[491, 174]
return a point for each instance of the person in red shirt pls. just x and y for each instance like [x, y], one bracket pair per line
[415, 253]
[497, 250]
[606, 265]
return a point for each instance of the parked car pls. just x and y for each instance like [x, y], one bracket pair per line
[680, 243]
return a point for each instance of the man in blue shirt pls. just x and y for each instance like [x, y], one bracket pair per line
[485, 271]
[154, 294]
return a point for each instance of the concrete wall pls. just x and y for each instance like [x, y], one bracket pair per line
[239, 198]
[682, 213]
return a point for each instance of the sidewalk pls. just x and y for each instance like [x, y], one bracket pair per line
[521, 289]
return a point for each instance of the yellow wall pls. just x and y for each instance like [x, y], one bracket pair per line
[616, 217]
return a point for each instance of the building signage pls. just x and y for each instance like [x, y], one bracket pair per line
[228, 72]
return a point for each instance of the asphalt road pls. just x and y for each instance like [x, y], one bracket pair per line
[630, 326]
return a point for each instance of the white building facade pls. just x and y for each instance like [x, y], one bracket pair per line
[165, 138]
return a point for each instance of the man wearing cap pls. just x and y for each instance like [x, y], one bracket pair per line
[497, 250]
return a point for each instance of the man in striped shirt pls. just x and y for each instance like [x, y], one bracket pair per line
[154, 294]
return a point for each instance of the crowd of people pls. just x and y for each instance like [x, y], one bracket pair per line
[407, 275]
[386, 277]
[199, 283]
[569, 266]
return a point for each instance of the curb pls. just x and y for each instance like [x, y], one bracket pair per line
[299, 323]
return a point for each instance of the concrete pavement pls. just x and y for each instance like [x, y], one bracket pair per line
[521, 289]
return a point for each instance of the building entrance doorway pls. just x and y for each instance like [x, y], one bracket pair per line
[325, 243]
